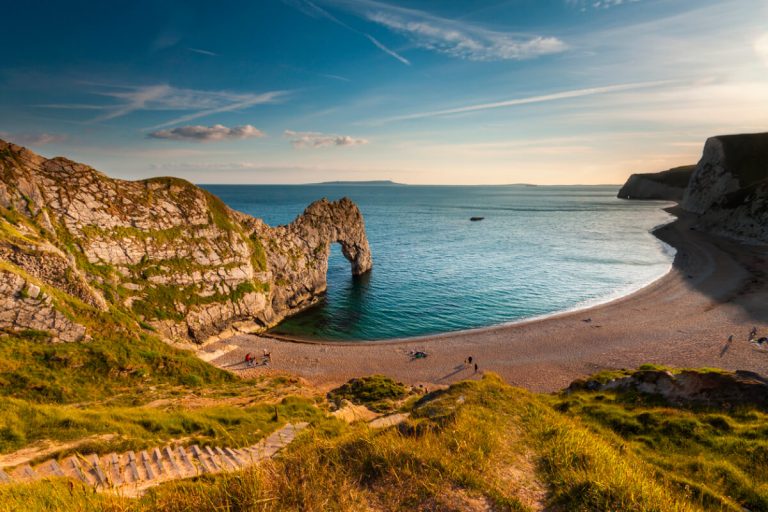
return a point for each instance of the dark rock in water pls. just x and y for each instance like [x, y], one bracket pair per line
[475, 219]
[704, 388]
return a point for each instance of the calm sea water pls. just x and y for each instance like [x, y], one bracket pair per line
[539, 250]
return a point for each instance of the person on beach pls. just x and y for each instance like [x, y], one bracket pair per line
[752, 334]
[248, 360]
[475, 367]
[469, 360]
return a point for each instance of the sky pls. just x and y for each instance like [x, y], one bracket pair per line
[420, 92]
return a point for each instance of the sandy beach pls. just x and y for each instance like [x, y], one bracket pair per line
[717, 287]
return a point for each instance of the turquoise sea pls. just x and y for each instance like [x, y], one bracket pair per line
[539, 250]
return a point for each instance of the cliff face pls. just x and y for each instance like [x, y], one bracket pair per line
[162, 251]
[729, 187]
[666, 185]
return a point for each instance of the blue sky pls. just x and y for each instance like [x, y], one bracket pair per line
[448, 92]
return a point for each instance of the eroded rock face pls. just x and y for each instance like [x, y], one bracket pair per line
[163, 249]
[729, 187]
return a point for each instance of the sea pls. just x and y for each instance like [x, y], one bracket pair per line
[539, 250]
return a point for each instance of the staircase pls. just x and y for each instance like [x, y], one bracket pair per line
[131, 473]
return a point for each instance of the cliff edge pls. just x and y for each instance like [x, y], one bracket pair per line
[727, 189]
[163, 252]
[666, 185]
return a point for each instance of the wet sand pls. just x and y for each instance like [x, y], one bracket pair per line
[717, 287]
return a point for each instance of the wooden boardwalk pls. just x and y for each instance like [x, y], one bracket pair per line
[131, 473]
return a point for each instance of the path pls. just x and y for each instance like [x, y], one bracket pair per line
[130, 473]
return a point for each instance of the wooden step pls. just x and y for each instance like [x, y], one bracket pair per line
[114, 469]
[200, 459]
[146, 464]
[214, 460]
[24, 473]
[186, 461]
[131, 473]
[227, 462]
[4, 478]
[95, 470]
[157, 463]
[170, 461]
[73, 468]
[50, 469]
[234, 457]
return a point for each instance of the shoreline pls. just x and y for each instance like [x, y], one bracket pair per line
[715, 287]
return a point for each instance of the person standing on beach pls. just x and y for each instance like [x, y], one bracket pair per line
[475, 367]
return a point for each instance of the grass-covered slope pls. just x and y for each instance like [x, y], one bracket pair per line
[484, 445]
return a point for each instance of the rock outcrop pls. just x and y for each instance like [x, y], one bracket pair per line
[666, 185]
[163, 251]
[727, 189]
[705, 388]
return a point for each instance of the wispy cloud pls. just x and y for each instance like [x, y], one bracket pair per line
[387, 50]
[315, 11]
[562, 95]
[599, 4]
[203, 52]
[217, 132]
[32, 139]
[315, 140]
[163, 97]
[462, 39]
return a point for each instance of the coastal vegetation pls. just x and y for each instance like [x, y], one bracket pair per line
[477, 445]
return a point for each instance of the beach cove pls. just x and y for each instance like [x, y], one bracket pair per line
[716, 287]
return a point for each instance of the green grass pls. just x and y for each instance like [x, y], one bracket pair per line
[377, 392]
[74, 372]
[718, 458]
[134, 428]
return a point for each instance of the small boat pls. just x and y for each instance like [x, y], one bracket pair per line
[475, 219]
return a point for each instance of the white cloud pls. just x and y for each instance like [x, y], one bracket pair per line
[217, 132]
[302, 140]
[129, 99]
[761, 48]
[462, 39]
[32, 139]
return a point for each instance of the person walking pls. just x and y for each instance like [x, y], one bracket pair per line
[475, 367]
